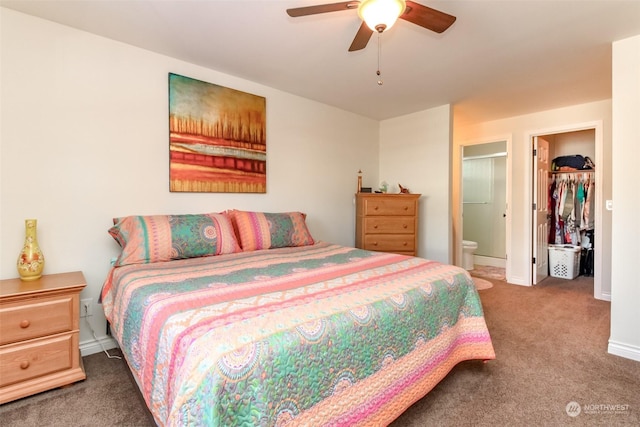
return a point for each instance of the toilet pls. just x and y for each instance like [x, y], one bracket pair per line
[468, 249]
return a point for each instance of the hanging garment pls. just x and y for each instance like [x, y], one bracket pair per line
[587, 255]
[557, 232]
[590, 205]
[571, 204]
[551, 208]
[579, 203]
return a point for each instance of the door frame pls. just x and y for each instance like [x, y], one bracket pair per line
[457, 216]
[598, 127]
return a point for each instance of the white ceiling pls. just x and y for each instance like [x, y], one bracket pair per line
[499, 59]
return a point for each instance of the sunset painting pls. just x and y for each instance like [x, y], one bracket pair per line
[217, 138]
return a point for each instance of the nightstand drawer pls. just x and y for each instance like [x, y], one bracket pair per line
[42, 317]
[393, 225]
[387, 206]
[389, 242]
[35, 358]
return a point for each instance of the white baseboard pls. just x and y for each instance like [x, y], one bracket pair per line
[93, 346]
[624, 350]
[490, 261]
[520, 281]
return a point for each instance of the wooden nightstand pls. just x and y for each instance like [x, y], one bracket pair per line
[387, 222]
[39, 334]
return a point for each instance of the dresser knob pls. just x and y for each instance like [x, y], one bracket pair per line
[375, 226]
[375, 243]
[25, 324]
[405, 243]
[24, 364]
[375, 208]
[404, 225]
[406, 208]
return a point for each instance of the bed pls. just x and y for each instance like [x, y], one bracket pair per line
[272, 330]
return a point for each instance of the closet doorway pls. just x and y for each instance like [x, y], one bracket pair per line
[585, 141]
[484, 201]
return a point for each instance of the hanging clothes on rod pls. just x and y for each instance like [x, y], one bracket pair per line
[571, 206]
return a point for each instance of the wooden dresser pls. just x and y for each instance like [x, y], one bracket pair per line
[39, 334]
[387, 222]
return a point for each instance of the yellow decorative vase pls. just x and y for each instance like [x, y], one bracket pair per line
[31, 260]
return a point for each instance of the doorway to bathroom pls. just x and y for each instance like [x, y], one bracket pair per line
[484, 204]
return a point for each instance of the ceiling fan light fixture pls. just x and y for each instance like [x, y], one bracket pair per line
[380, 15]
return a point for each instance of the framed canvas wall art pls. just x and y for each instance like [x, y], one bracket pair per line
[217, 138]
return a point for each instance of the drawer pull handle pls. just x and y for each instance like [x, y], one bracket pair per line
[375, 226]
[404, 243]
[375, 243]
[375, 208]
[406, 208]
[24, 364]
[25, 324]
[404, 225]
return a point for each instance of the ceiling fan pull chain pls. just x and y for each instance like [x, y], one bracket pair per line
[380, 82]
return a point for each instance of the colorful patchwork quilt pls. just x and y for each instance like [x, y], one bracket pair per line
[312, 335]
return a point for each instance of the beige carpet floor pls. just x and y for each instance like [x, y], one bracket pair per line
[552, 369]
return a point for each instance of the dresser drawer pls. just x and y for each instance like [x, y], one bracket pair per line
[38, 318]
[389, 206]
[389, 225]
[36, 358]
[389, 242]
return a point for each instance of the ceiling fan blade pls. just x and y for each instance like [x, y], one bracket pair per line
[362, 38]
[322, 8]
[427, 17]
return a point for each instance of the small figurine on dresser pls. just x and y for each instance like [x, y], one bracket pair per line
[403, 190]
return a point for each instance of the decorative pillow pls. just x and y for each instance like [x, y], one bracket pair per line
[155, 238]
[261, 230]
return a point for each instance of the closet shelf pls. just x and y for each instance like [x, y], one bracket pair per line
[580, 171]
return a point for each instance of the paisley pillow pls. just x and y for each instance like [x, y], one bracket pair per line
[156, 238]
[262, 230]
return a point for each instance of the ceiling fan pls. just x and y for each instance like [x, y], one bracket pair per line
[380, 15]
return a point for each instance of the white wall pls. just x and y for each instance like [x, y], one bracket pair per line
[519, 130]
[415, 152]
[566, 144]
[625, 286]
[84, 138]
